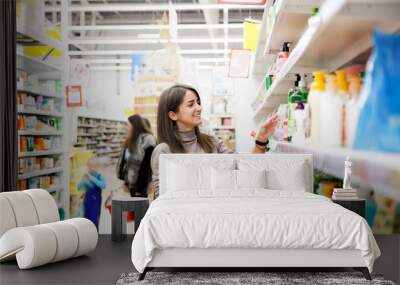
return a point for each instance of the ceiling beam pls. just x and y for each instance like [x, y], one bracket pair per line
[153, 27]
[129, 61]
[154, 7]
[105, 40]
[211, 18]
[130, 52]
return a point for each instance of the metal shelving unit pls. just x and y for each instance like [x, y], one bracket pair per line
[338, 34]
[351, 21]
[106, 136]
[32, 32]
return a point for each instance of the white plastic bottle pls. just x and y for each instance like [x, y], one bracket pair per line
[316, 90]
[299, 125]
[331, 114]
[352, 109]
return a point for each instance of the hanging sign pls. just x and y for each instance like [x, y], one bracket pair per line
[251, 33]
[240, 63]
[74, 96]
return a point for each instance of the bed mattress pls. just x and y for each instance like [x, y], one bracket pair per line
[250, 219]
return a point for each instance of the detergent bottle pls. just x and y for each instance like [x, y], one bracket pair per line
[316, 90]
[331, 114]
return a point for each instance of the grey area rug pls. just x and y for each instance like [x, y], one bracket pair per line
[229, 278]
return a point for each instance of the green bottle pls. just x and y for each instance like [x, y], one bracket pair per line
[303, 89]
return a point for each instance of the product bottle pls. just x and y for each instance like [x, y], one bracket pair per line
[316, 90]
[303, 88]
[331, 114]
[343, 92]
[298, 130]
[292, 102]
[352, 109]
[283, 55]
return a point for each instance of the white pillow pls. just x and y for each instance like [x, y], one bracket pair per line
[183, 178]
[291, 179]
[223, 179]
[283, 173]
[251, 178]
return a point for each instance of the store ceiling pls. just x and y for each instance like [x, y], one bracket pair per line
[114, 29]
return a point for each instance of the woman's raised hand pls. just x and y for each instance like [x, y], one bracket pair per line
[266, 129]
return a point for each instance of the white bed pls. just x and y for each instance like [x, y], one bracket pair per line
[229, 220]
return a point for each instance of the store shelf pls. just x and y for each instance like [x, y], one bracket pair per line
[40, 153]
[108, 152]
[39, 173]
[87, 135]
[39, 133]
[87, 126]
[34, 65]
[374, 170]
[290, 21]
[39, 112]
[223, 127]
[32, 32]
[39, 92]
[36, 35]
[351, 21]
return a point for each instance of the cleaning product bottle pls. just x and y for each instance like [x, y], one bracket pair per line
[283, 55]
[331, 114]
[343, 92]
[298, 136]
[292, 105]
[316, 90]
[352, 109]
[303, 88]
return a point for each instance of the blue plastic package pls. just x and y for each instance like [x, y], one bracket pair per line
[378, 127]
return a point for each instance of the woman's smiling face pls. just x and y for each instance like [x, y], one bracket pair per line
[189, 112]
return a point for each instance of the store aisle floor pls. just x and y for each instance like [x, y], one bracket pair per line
[113, 184]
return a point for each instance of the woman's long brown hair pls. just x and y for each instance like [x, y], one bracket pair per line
[139, 126]
[167, 130]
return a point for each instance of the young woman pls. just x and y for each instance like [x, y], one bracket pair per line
[178, 121]
[135, 158]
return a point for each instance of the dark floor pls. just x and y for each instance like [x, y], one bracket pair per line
[111, 259]
[103, 266]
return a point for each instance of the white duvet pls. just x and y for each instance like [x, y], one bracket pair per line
[254, 218]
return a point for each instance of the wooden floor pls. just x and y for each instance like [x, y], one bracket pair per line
[110, 259]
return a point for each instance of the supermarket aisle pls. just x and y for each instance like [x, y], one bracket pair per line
[113, 184]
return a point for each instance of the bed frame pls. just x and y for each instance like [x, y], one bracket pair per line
[242, 259]
[245, 259]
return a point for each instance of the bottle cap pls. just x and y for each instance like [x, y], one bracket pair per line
[331, 82]
[342, 81]
[318, 83]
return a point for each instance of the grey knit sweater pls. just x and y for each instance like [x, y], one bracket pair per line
[190, 144]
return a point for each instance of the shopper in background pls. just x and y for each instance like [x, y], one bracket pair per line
[178, 120]
[92, 183]
[134, 164]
